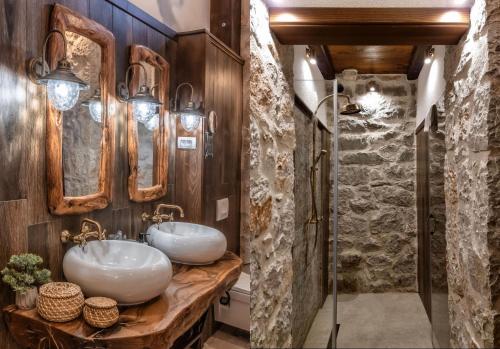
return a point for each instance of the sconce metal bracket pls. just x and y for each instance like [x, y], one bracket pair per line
[122, 92]
[36, 69]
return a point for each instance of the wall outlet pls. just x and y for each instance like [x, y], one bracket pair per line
[222, 211]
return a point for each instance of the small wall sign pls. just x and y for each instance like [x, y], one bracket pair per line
[186, 143]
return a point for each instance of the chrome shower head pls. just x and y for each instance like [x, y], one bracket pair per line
[320, 155]
[350, 108]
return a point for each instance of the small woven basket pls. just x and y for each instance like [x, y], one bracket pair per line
[60, 301]
[100, 312]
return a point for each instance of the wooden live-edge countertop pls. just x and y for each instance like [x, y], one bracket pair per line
[154, 325]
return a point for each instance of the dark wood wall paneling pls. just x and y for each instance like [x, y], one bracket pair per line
[225, 22]
[216, 74]
[25, 223]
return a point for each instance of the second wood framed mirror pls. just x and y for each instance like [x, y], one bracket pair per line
[147, 141]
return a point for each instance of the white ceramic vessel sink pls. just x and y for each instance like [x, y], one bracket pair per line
[128, 272]
[188, 243]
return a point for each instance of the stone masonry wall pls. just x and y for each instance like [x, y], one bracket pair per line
[377, 245]
[272, 204]
[472, 177]
[437, 205]
[81, 134]
[307, 245]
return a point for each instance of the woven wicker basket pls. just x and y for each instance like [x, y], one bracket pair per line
[60, 301]
[100, 312]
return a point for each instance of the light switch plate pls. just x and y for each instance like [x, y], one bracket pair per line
[222, 211]
[188, 143]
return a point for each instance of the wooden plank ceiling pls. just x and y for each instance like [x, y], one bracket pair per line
[371, 40]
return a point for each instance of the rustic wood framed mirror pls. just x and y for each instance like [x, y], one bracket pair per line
[79, 140]
[147, 142]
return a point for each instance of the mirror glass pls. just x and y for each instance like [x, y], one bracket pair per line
[82, 126]
[147, 134]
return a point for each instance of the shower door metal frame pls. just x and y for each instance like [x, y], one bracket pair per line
[335, 146]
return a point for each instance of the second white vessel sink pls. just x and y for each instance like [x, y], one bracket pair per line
[128, 272]
[188, 243]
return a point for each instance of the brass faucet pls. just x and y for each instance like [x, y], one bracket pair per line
[85, 233]
[158, 217]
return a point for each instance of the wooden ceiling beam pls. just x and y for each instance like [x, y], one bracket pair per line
[324, 61]
[369, 26]
[417, 61]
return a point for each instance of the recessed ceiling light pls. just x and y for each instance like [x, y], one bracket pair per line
[311, 55]
[286, 17]
[429, 56]
[451, 17]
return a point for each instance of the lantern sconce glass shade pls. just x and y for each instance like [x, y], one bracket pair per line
[143, 111]
[153, 123]
[144, 104]
[95, 106]
[373, 86]
[63, 86]
[189, 115]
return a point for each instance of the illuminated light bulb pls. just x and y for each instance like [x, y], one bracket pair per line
[143, 111]
[63, 94]
[190, 121]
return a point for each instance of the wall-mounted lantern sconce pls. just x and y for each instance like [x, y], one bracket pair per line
[429, 56]
[95, 106]
[143, 102]
[190, 117]
[311, 55]
[373, 86]
[63, 86]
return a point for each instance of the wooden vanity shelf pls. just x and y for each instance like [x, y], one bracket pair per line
[154, 325]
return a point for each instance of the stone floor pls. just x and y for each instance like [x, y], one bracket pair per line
[385, 320]
[224, 340]
[441, 321]
[320, 331]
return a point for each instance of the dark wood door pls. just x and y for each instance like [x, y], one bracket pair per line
[423, 232]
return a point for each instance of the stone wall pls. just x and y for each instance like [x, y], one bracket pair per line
[272, 204]
[472, 174]
[81, 134]
[307, 245]
[145, 156]
[377, 245]
[437, 206]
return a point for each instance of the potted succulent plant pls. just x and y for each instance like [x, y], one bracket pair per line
[23, 274]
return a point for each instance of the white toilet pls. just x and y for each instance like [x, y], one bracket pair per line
[237, 312]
